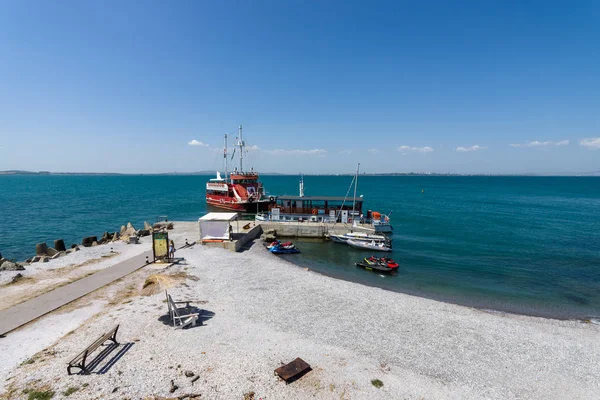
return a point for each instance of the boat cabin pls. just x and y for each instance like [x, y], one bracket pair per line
[315, 205]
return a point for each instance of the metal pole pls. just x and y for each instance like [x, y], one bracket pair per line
[355, 185]
[241, 143]
[225, 157]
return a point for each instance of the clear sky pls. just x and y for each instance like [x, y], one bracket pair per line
[445, 86]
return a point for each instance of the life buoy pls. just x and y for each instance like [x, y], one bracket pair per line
[314, 211]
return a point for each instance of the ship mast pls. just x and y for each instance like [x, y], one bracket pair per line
[241, 144]
[355, 185]
[225, 157]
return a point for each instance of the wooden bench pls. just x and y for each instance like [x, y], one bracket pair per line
[80, 359]
[180, 321]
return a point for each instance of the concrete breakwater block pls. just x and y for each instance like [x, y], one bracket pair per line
[11, 266]
[87, 241]
[59, 245]
[129, 230]
[41, 249]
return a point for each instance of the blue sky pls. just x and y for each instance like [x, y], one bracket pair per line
[399, 86]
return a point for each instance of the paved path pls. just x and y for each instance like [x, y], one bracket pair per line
[16, 316]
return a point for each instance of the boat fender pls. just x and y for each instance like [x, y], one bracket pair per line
[314, 211]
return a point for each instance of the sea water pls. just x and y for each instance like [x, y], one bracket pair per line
[529, 245]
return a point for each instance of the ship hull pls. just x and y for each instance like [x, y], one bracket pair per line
[232, 205]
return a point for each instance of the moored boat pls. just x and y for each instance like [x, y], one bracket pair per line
[375, 267]
[382, 261]
[372, 245]
[326, 209]
[361, 237]
[239, 191]
[283, 248]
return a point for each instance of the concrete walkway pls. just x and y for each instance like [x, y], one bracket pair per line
[21, 314]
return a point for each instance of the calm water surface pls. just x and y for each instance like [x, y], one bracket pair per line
[521, 244]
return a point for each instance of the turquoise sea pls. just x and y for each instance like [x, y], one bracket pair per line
[528, 245]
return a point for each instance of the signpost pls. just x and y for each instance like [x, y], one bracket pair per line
[160, 245]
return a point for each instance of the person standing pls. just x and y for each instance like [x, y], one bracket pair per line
[172, 249]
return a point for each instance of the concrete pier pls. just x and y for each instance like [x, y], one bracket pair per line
[239, 238]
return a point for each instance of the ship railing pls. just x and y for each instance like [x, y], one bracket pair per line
[295, 218]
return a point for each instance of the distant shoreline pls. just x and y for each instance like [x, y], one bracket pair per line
[205, 173]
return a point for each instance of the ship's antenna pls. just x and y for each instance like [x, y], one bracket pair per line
[355, 185]
[225, 157]
[241, 144]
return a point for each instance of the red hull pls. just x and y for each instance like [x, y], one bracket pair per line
[230, 204]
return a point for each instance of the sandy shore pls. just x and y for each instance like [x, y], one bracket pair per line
[260, 311]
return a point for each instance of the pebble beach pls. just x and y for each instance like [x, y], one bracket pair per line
[260, 311]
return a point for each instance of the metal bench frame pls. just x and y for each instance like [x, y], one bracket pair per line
[80, 359]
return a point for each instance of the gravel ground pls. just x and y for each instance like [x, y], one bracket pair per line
[261, 311]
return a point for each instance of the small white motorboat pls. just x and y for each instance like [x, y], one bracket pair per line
[372, 245]
[337, 238]
[359, 236]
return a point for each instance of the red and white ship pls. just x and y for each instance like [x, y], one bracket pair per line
[239, 190]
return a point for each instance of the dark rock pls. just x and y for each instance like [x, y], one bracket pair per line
[44, 259]
[16, 278]
[189, 374]
[143, 232]
[51, 252]
[87, 241]
[76, 248]
[73, 245]
[174, 387]
[41, 249]
[36, 259]
[11, 266]
[59, 245]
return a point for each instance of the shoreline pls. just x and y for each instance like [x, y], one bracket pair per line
[507, 309]
[595, 319]
[265, 310]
